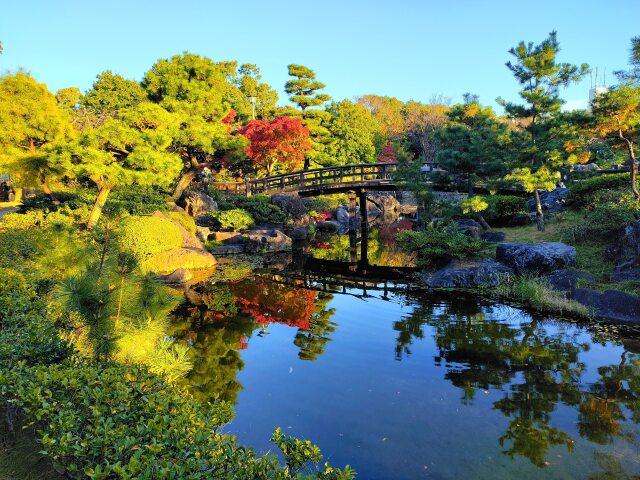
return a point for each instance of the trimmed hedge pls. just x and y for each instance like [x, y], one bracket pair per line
[589, 193]
[258, 206]
[146, 236]
[230, 220]
[502, 208]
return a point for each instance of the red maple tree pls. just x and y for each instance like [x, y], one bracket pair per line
[387, 155]
[282, 141]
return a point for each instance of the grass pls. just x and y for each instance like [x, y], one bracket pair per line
[590, 255]
[534, 293]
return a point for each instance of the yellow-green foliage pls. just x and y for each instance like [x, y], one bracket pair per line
[146, 236]
[183, 219]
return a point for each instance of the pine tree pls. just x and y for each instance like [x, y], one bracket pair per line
[541, 77]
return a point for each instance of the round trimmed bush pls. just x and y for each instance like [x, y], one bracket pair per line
[147, 236]
[231, 220]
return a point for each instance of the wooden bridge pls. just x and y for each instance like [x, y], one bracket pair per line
[319, 181]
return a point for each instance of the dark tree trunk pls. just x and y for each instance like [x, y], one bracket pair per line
[539, 214]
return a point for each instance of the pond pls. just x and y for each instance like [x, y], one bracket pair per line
[402, 384]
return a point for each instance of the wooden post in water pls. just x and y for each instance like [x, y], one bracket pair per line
[364, 229]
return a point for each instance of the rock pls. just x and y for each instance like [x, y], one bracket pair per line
[627, 255]
[469, 227]
[228, 238]
[298, 233]
[328, 227]
[589, 167]
[259, 241]
[197, 203]
[383, 206]
[177, 258]
[536, 257]
[493, 237]
[566, 280]
[178, 277]
[202, 233]
[342, 217]
[457, 274]
[520, 220]
[293, 206]
[552, 202]
[232, 249]
[612, 305]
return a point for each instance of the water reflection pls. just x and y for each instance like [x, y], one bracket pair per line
[543, 377]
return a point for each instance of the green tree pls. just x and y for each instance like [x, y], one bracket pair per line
[356, 136]
[133, 148]
[422, 124]
[68, 98]
[617, 120]
[112, 92]
[541, 77]
[303, 91]
[249, 88]
[196, 92]
[31, 123]
[474, 145]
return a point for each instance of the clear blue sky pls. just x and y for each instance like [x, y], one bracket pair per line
[410, 49]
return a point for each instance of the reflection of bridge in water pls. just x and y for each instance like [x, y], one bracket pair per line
[333, 276]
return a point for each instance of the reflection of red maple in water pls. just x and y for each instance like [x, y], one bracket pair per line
[388, 233]
[269, 302]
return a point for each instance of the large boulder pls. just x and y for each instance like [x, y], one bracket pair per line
[458, 274]
[552, 202]
[260, 241]
[178, 277]
[536, 257]
[342, 217]
[177, 258]
[293, 207]
[189, 240]
[383, 206]
[567, 280]
[612, 305]
[197, 204]
[298, 233]
[469, 227]
[202, 233]
[588, 167]
[520, 220]
[627, 255]
[493, 237]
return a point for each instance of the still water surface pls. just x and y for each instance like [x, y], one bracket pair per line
[416, 386]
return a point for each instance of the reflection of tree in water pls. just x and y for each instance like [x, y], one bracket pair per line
[538, 366]
[222, 317]
[312, 342]
[217, 357]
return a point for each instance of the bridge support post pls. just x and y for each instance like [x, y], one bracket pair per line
[353, 239]
[364, 229]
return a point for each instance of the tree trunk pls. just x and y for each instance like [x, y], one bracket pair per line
[539, 214]
[96, 211]
[119, 301]
[185, 180]
[483, 222]
[634, 171]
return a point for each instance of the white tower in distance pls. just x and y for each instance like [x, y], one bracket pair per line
[599, 87]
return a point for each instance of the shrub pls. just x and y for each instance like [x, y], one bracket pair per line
[22, 221]
[111, 421]
[146, 236]
[258, 206]
[436, 245]
[603, 222]
[326, 203]
[183, 219]
[230, 220]
[590, 193]
[503, 207]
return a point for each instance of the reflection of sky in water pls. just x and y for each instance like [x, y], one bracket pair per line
[405, 418]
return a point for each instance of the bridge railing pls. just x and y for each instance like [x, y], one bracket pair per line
[347, 174]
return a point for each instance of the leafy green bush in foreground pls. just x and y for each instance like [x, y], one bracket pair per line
[112, 421]
[231, 220]
[436, 245]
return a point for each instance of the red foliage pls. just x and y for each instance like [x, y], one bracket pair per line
[281, 141]
[231, 116]
[269, 302]
[388, 233]
[387, 155]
